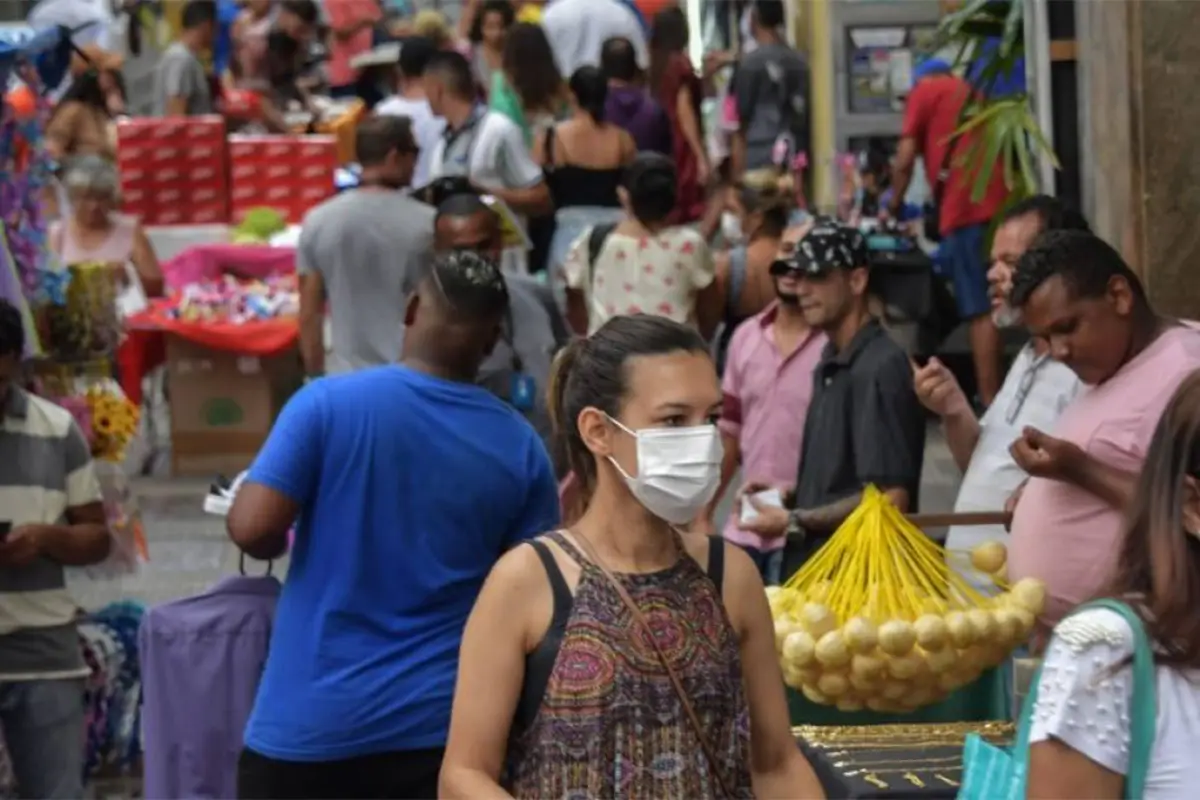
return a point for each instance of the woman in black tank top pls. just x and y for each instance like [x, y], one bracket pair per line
[584, 158]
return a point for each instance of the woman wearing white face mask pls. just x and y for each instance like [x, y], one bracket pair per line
[559, 679]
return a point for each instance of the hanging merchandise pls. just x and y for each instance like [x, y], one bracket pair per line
[877, 619]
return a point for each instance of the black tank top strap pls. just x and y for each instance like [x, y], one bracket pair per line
[716, 561]
[550, 134]
[558, 585]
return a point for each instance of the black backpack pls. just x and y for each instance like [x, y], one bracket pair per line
[596, 239]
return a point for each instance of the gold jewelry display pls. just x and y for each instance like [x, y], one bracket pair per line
[953, 731]
[907, 763]
[872, 777]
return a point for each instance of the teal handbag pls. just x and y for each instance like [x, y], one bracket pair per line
[994, 773]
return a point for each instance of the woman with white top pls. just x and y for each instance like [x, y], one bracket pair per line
[643, 264]
[1080, 737]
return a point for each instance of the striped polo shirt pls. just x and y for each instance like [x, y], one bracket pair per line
[45, 468]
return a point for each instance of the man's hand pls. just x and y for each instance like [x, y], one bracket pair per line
[938, 389]
[786, 490]
[771, 522]
[1043, 456]
[22, 546]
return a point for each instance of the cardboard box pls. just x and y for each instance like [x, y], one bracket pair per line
[174, 171]
[223, 405]
[288, 173]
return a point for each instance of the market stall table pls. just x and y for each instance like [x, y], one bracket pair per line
[895, 761]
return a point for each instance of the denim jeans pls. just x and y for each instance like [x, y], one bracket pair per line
[43, 722]
[769, 563]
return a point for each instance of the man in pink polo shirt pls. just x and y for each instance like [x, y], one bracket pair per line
[1075, 292]
[768, 383]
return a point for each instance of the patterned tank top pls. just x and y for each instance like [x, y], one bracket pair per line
[599, 715]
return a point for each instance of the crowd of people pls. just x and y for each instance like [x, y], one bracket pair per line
[563, 329]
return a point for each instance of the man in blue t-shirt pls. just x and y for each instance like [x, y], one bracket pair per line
[406, 484]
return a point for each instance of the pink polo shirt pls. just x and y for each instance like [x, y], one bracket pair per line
[766, 401]
[1065, 536]
[342, 13]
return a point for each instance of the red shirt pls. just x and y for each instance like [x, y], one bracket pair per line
[930, 117]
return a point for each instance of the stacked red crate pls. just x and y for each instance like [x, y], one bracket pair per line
[174, 171]
[290, 174]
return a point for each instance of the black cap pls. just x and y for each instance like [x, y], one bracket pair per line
[827, 246]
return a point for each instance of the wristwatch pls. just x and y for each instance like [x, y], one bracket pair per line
[794, 530]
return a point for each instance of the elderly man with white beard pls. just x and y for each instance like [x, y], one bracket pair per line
[1034, 394]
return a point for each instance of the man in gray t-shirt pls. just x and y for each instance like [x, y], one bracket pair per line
[363, 252]
[181, 85]
[771, 88]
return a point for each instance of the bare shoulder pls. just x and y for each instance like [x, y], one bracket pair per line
[519, 568]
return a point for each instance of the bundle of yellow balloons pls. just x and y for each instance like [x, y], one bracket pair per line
[878, 619]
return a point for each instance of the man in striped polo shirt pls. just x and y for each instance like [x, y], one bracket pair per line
[50, 516]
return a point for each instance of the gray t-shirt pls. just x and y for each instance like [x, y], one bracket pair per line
[370, 248]
[771, 87]
[180, 74]
[537, 332]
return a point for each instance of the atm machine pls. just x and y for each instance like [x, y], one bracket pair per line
[875, 46]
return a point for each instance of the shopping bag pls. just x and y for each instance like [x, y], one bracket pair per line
[994, 773]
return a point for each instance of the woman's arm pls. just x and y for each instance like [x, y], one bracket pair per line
[466, 19]
[1058, 772]
[777, 767]
[62, 129]
[491, 672]
[629, 148]
[689, 125]
[146, 263]
[577, 311]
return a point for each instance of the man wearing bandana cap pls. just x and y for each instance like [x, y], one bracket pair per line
[864, 425]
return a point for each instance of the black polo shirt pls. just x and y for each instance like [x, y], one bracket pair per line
[865, 424]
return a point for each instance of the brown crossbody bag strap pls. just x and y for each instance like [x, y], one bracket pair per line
[640, 620]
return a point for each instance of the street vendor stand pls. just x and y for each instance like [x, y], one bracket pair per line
[228, 378]
[987, 699]
[907, 760]
[72, 333]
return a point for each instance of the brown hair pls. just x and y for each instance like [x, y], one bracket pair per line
[1158, 564]
[528, 63]
[591, 373]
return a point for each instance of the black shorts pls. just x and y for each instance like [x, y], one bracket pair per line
[400, 774]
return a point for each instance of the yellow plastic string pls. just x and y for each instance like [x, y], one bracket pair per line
[880, 565]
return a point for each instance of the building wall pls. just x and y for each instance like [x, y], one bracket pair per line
[1139, 64]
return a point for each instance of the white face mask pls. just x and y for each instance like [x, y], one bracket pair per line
[731, 228]
[678, 470]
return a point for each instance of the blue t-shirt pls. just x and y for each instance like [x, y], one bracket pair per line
[227, 14]
[410, 488]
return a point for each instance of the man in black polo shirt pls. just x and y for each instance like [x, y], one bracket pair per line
[865, 424]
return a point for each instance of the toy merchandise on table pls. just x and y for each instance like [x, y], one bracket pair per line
[234, 301]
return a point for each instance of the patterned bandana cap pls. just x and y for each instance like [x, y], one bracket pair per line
[828, 245]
